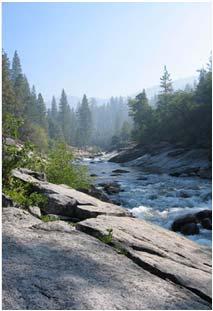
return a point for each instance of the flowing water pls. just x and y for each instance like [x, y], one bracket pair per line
[154, 197]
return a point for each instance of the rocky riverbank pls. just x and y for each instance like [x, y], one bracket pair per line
[166, 158]
[99, 258]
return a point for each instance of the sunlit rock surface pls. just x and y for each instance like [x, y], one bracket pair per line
[52, 266]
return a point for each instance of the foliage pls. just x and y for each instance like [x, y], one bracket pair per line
[38, 137]
[182, 117]
[60, 168]
[107, 121]
[11, 126]
[48, 218]
[20, 156]
[166, 82]
[84, 123]
[23, 194]
[141, 113]
[41, 111]
[8, 94]
[120, 249]
[107, 238]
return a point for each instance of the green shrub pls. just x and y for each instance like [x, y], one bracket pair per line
[23, 194]
[47, 218]
[60, 168]
[24, 156]
[38, 136]
[107, 238]
[11, 125]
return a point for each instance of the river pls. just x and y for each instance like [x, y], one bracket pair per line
[158, 198]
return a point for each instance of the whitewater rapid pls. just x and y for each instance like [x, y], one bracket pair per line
[158, 198]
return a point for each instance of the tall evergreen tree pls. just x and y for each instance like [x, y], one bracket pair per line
[141, 112]
[166, 82]
[16, 67]
[64, 116]
[8, 95]
[84, 123]
[42, 120]
[22, 94]
[54, 110]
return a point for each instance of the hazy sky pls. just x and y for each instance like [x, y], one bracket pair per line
[104, 49]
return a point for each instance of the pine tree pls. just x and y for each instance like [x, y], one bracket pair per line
[166, 82]
[42, 120]
[141, 112]
[63, 116]
[34, 109]
[8, 94]
[72, 126]
[22, 95]
[125, 132]
[54, 111]
[84, 123]
[16, 67]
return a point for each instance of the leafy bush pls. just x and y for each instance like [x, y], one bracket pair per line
[47, 218]
[24, 156]
[107, 238]
[11, 125]
[23, 194]
[60, 168]
[38, 137]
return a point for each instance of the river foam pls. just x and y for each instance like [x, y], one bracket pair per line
[158, 198]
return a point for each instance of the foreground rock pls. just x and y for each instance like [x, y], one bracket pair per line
[161, 252]
[65, 201]
[52, 266]
[167, 158]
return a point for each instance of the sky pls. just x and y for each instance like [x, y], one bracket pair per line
[106, 49]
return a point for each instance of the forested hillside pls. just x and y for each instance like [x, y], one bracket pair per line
[89, 124]
[181, 116]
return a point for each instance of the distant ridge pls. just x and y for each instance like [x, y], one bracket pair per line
[179, 84]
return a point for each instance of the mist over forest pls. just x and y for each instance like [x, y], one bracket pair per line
[104, 123]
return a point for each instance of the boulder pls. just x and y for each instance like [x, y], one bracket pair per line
[190, 229]
[37, 175]
[120, 171]
[206, 223]
[187, 224]
[35, 211]
[204, 214]
[157, 250]
[52, 266]
[97, 193]
[142, 178]
[65, 201]
[111, 187]
[182, 221]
